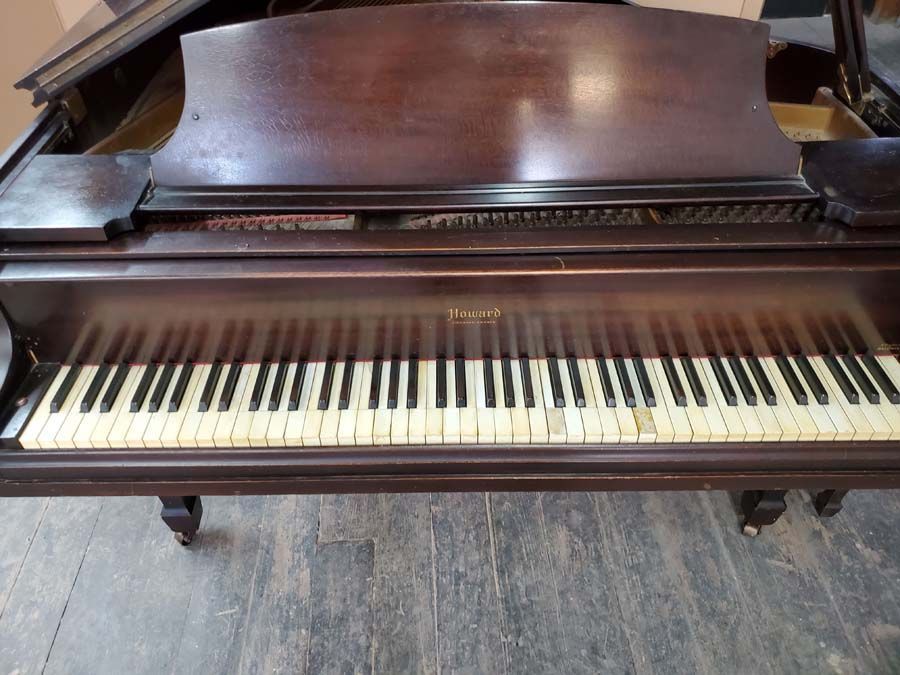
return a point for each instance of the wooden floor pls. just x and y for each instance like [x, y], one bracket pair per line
[473, 583]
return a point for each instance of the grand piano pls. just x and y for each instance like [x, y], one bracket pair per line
[450, 246]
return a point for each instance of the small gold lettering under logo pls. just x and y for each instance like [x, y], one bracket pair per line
[462, 315]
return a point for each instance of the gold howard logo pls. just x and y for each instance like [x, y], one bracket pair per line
[459, 315]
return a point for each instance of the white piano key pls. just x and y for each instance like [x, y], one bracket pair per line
[278, 421]
[347, 425]
[556, 420]
[82, 438]
[849, 421]
[240, 400]
[434, 416]
[365, 416]
[773, 431]
[418, 416]
[296, 419]
[400, 414]
[808, 429]
[718, 430]
[882, 430]
[609, 420]
[753, 428]
[665, 430]
[312, 423]
[891, 367]
[65, 435]
[134, 437]
[331, 418]
[590, 417]
[571, 413]
[890, 411]
[484, 415]
[628, 428]
[700, 430]
[451, 419]
[28, 439]
[110, 433]
[381, 429]
[503, 429]
[682, 432]
[259, 418]
[187, 434]
[537, 416]
[521, 428]
[240, 430]
[714, 395]
[468, 416]
[643, 415]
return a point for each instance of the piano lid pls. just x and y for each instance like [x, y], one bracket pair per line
[476, 95]
[108, 30]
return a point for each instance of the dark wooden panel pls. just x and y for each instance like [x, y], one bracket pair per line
[580, 304]
[476, 93]
[859, 181]
[65, 198]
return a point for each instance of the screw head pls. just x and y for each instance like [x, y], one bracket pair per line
[196, 116]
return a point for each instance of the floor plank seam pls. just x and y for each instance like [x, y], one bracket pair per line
[244, 630]
[62, 614]
[198, 542]
[434, 596]
[551, 567]
[489, 516]
[739, 586]
[636, 662]
[24, 557]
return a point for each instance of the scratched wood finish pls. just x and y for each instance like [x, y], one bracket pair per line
[474, 94]
[516, 583]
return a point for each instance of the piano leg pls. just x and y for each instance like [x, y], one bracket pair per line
[761, 507]
[828, 503]
[182, 515]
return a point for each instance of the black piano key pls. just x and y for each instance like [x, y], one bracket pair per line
[846, 386]
[441, 377]
[412, 383]
[278, 385]
[575, 379]
[375, 387]
[674, 381]
[234, 371]
[881, 377]
[559, 399]
[327, 381]
[490, 394]
[346, 383]
[212, 380]
[460, 369]
[59, 398]
[393, 384]
[690, 371]
[608, 392]
[509, 397]
[527, 388]
[790, 377]
[143, 387]
[93, 391]
[762, 381]
[259, 386]
[722, 378]
[180, 387]
[162, 386]
[740, 375]
[644, 381]
[115, 386]
[297, 386]
[859, 375]
[625, 382]
[815, 384]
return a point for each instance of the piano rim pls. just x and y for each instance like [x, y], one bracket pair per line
[414, 468]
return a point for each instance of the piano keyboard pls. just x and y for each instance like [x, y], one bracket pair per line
[465, 401]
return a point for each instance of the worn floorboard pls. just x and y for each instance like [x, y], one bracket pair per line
[452, 583]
